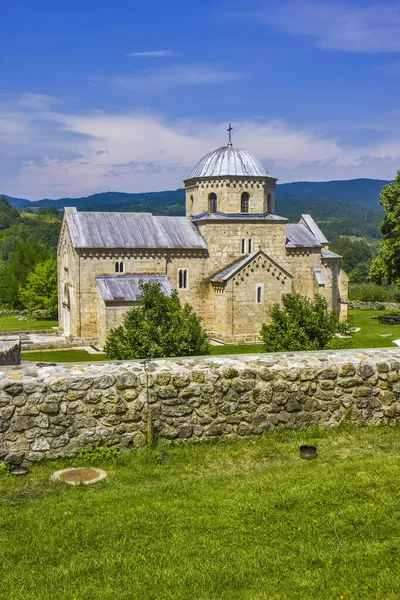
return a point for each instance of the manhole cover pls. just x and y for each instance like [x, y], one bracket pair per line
[79, 475]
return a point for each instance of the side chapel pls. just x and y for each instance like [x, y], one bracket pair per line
[231, 257]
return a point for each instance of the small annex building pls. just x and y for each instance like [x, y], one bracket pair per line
[231, 257]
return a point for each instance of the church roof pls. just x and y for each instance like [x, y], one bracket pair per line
[309, 222]
[299, 236]
[237, 265]
[125, 288]
[222, 216]
[228, 160]
[131, 230]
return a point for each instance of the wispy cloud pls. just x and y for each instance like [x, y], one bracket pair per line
[363, 27]
[173, 75]
[153, 53]
[60, 153]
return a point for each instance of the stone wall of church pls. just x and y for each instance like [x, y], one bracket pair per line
[68, 284]
[224, 241]
[247, 313]
[56, 411]
[228, 192]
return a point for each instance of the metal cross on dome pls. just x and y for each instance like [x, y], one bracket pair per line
[229, 130]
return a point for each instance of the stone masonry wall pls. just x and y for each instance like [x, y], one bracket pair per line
[10, 353]
[54, 411]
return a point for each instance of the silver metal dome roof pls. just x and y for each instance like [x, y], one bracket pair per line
[228, 160]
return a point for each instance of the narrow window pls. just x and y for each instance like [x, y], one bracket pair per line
[244, 206]
[116, 266]
[250, 242]
[269, 203]
[121, 267]
[183, 279]
[212, 203]
[259, 294]
[243, 246]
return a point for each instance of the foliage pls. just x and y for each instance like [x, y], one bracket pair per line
[14, 275]
[301, 324]
[357, 256]
[8, 214]
[159, 327]
[93, 454]
[386, 266]
[40, 291]
[240, 519]
[372, 292]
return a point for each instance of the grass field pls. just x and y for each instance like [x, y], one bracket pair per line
[231, 520]
[372, 330]
[62, 356]
[368, 337]
[11, 323]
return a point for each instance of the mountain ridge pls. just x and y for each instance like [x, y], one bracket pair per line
[362, 191]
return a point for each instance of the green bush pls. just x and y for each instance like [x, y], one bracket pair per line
[159, 327]
[372, 292]
[303, 324]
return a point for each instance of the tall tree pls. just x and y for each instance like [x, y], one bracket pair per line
[386, 266]
[8, 214]
[40, 291]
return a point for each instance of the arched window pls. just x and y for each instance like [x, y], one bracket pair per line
[259, 294]
[244, 205]
[116, 266]
[243, 246]
[269, 203]
[250, 245]
[121, 267]
[183, 279]
[212, 203]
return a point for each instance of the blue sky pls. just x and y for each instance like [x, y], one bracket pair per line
[128, 96]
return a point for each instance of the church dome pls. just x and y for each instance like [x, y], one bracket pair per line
[228, 160]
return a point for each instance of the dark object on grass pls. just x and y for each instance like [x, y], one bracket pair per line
[308, 452]
[43, 364]
[393, 319]
[19, 470]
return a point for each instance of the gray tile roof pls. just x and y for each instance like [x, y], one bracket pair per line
[299, 236]
[221, 216]
[329, 254]
[318, 275]
[237, 265]
[228, 160]
[131, 230]
[125, 288]
[313, 227]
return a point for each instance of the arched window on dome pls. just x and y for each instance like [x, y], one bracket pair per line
[244, 203]
[212, 203]
[269, 203]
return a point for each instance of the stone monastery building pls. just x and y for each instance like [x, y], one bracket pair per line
[231, 257]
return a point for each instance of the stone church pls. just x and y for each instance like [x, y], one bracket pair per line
[231, 257]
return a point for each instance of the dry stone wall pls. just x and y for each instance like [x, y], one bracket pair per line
[10, 353]
[54, 411]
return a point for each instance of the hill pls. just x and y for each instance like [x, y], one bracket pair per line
[360, 192]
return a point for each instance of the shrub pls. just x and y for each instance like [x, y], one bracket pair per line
[302, 324]
[159, 327]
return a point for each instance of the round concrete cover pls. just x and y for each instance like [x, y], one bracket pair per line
[79, 475]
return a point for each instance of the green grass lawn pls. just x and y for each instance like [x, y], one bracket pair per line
[368, 337]
[71, 355]
[11, 323]
[241, 519]
[372, 330]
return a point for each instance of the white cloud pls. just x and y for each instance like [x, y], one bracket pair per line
[348, 26]
[191, 74]
[56, 154]
[153, 53]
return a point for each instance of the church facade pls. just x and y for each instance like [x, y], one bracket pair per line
[231, 257]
